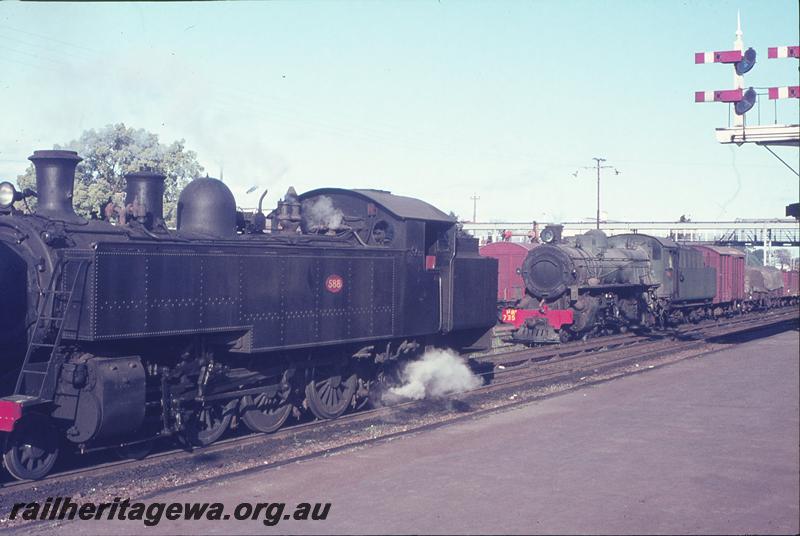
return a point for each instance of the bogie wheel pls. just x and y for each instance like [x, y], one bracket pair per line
[209, 424]
[329, 393]
[267, 411]
[31, 449]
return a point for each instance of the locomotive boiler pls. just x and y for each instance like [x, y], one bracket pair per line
[114, 334]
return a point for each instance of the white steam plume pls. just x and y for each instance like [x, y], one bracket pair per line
[321, 214]
[437, 374]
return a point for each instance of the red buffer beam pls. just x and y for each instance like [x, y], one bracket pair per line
[781, 52]
[785, 92]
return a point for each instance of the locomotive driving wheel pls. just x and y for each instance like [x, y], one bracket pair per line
[31, 449]
[267, 411]
[209, 424]
[329, 392]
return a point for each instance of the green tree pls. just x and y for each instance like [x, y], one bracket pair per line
[112, 152]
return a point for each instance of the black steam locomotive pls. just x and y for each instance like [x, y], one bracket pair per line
[599, 284]
[113, 334]
[594, 284]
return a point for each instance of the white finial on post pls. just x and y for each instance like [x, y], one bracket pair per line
[738, 41]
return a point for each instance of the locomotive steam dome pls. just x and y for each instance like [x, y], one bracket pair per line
[547, 271]
[592, 240]
[207, 207]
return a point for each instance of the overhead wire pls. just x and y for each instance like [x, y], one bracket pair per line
[50, 38]
[30, 54]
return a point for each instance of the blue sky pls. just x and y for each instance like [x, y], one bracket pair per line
[437, 100]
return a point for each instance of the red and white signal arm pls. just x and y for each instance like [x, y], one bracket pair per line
[783, 52]
[785, 92]
[334, 283]
[722, 95]
[721, 56]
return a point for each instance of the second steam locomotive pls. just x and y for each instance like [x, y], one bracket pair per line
[596, 284]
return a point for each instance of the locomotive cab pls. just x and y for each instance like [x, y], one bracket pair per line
[448, 286]
[378, 217]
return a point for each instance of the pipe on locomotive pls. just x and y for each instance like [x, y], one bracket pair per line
[144, 194]
[55, 180]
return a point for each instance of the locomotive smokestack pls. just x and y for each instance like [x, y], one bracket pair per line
[145, 191]
[55, 179]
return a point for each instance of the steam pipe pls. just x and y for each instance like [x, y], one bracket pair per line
[261, 199]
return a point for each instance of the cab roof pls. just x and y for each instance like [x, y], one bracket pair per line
[406, 208]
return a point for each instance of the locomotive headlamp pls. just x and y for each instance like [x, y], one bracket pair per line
[8, 194]
[547, 236]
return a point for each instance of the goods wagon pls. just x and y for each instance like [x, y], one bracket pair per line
[791, 282]
[729, 264]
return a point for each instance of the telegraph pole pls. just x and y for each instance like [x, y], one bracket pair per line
[474, 207]
[598, 166]
[598, 161]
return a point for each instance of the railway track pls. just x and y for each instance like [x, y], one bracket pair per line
[519, 356]
[617, 350]
[506, 374]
